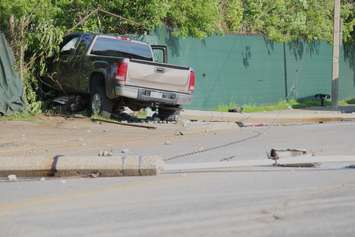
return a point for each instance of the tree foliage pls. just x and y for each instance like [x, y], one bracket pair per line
[37, 26]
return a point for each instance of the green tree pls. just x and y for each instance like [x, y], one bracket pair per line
[37, 26]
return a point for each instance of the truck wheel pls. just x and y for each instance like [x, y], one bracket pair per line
[100, 103]
[169, 113]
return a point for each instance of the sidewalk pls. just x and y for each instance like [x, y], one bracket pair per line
[292, 116]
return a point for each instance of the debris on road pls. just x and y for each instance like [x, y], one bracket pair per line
[12, 177]
[95, 175]
[299, 165]
[201, 148]
[179, 133]
[65, 104]
[227, 158]
[236, 110]
[247, 125]
[322, 98]
[125, 151]
[276, 154]
[167, 142]
[105, 153]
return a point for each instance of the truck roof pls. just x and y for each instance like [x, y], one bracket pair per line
[117, 36]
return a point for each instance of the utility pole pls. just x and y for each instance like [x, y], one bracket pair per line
[336, 48]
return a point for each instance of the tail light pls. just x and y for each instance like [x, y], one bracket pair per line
[122, 38]
[192, 79]
[121, 71]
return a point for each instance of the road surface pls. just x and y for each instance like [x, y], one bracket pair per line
[254, 202]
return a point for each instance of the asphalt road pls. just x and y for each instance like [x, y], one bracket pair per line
[254, 202]
[254, 142]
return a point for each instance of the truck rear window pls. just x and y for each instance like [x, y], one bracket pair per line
[121, 48]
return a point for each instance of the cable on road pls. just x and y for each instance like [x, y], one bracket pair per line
[215, 147]
[257, 134]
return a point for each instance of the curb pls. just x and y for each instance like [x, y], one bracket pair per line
[66, 166]
[269, 118]
[285, 162]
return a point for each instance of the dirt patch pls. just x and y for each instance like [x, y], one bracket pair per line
[50, 135]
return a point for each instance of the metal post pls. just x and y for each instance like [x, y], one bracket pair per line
[336, 47]
[285, 72]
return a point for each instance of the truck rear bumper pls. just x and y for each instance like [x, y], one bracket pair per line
[152, 95]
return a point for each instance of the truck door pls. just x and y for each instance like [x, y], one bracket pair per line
[84, 66]
[67, 67]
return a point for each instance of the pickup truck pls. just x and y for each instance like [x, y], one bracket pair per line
[115, 71]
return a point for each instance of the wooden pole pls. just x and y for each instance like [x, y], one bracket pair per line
[22, 50]
[336, 49]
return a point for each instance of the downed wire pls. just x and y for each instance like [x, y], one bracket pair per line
[215, 147]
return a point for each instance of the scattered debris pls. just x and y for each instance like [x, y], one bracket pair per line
[149, 112]
[240, 124]
[125, 151]
[299, 165]
[246, 125]
[12, 178]
[236, 110]
[167, 142]
[276, 154]
[276, 217]
[95, 175]
[127, 110]
[61, 100]
[179, 133]
[73, 103]
[322, 98]
[123, 123]
[105, 153]
[227, 158]
[201, 148]
[184, 123]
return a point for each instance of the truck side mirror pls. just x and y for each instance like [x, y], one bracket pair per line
[160, 53]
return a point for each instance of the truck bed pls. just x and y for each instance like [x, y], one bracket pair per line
[158, 76]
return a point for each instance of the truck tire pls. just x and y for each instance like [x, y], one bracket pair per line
[100, 104]
[169, 113]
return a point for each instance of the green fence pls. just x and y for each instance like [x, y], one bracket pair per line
[248, 69]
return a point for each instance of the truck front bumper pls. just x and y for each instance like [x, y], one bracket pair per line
[153, 95]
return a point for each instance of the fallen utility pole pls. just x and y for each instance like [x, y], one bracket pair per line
[336, 48]
[124, 124]
[307, 161]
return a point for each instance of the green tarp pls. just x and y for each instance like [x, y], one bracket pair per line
[11, 88]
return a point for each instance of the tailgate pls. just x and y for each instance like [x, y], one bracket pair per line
[158, 76]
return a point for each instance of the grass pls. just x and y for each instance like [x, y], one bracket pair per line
[24, 116]
[282, 105]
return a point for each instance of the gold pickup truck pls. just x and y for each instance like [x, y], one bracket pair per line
[117, 71]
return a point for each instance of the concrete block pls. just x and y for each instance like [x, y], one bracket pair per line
[106, 166]
[26, 166]
[62, 166]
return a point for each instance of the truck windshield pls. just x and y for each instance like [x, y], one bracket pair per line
[105, 46]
